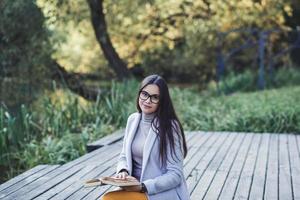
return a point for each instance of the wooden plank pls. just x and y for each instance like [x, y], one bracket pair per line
[85, 192]
[210, 170]
[88, 156]
[66, 183]
[298, 141]
[115, 137]
[206, 158]
[200, 150]
[260, 172]
[231, 182]
[272, 181]
[245, 180]
[29, 179]
[100, 191]
[295, 165]
[195, 145]
[295, 156]
[40, 185]
[221, 174]
[78, 185]
[107, 140]
[95, 156]
[55, 177]
[190, 134]
[285, 186]
[22, 176]
[63, 178]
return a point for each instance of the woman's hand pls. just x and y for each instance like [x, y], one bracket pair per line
[122, 175]
[135, 188]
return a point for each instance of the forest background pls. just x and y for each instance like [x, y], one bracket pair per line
[69, 70]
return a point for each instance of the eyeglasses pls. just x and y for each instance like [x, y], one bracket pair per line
[145, 95]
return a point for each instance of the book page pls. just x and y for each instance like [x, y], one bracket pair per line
[128, 181]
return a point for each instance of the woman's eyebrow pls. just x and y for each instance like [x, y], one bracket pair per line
[150, 94]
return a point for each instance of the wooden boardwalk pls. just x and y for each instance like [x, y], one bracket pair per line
[219, 165]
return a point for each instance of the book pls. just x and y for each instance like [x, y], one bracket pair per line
[128, 181]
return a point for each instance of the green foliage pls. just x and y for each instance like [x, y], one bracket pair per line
[25, 51]
[267, 111]
[14, 129]
[179, 38]
[247, 81]
[287, 77]
[175, 38]
[52, 150]
[57, 126]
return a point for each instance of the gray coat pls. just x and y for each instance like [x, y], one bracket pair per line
[162, 182]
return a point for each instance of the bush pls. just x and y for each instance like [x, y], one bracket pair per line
[56, 128]
[247, 80]
[275, 110]
[25, 52]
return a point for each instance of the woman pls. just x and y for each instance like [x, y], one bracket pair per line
[154, 147]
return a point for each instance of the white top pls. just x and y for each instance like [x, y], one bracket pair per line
[138, 142]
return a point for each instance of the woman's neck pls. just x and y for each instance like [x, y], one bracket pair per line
[148, 117]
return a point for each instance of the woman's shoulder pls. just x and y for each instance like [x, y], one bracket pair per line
[132, 116]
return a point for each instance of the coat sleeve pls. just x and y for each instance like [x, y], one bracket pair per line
[174, 166]
[122, 160]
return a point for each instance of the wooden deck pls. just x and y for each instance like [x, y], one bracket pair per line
[219, 165]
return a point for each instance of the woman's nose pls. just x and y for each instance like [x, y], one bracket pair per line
[148, 101]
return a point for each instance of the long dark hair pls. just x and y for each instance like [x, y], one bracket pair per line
[166, 121]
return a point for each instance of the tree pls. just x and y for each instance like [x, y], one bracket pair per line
[26, 63]
[176, 38]
[25, 51]
[99, 25]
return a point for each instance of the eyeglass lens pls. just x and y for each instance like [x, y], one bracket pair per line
[145, 95]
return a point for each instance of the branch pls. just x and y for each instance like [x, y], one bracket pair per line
[74, 83]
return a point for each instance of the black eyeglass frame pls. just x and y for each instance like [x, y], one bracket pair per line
[149, 96]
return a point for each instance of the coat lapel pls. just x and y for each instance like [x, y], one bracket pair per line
[131, 134]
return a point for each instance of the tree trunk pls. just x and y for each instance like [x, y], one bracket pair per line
[99, 25]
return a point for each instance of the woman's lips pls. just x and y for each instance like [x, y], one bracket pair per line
[145, 106]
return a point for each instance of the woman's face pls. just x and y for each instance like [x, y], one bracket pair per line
[149, 99]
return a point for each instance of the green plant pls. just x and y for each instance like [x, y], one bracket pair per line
[274, 110]
[247, 81]
[57, 129]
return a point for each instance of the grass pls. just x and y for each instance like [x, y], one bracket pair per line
[275, 110]
[247, 81]
[56, 128]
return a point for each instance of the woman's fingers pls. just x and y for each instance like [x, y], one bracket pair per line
[121, 175]
[131, 178]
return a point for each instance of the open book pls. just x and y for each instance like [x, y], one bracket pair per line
[128, 181]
